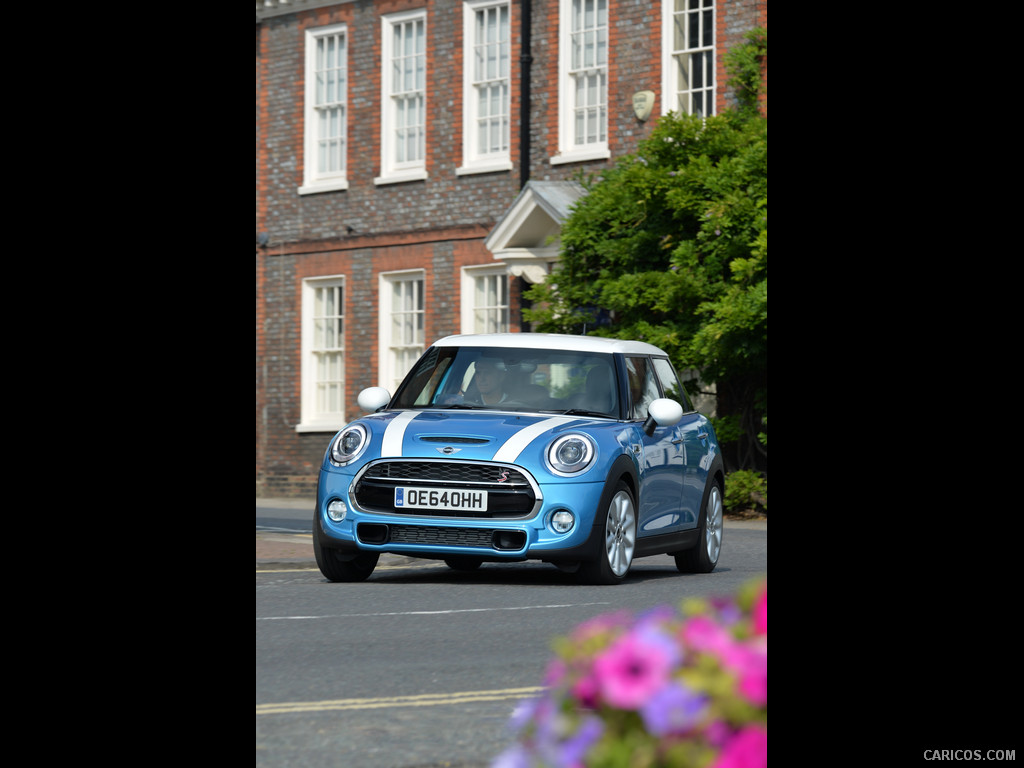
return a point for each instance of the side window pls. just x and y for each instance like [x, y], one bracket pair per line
[403, 311]
[326, 110]
[323, 354]
[485, 300]
[688, 80]
[403, 129]
[670, 383]
[643, 387]
[487, 76]
[583, 49]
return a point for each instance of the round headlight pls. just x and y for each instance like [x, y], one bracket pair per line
[571, 454]
[348, 444]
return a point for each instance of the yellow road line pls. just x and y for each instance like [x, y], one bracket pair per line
[422, 700]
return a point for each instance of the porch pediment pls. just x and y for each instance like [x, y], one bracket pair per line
[527, 237]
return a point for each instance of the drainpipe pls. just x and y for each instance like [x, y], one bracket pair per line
[525, 59]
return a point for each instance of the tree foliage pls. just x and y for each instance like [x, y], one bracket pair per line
[671, 247]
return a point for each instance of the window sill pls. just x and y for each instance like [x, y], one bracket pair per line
[316, 187]
[470, 169]
[327, 427]
[581, 155]
[399, 178]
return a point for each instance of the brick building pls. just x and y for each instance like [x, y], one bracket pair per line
[414, 160]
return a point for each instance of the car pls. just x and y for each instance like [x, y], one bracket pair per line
[579, 451]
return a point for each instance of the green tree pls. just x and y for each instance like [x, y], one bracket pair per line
[671, 247]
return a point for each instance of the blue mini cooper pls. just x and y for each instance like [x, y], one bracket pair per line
[579, 451]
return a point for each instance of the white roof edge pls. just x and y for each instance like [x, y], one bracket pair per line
[550, 341]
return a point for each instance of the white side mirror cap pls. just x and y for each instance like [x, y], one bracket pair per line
[373, 398]
[665, 412]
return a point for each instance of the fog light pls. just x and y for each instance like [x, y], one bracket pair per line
[336, 510]
[562, 521]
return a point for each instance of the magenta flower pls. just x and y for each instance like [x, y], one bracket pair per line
[747, 749]
[587, 691]
[704, 635]
[635, 667]
[749, 662]
[753, 679]
[658, 681]
[760, 613]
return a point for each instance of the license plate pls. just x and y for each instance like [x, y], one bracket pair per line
[441, 498]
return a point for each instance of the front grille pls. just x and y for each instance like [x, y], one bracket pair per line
[428, 472]
[430, 536]
[452, 537]
[511, 494]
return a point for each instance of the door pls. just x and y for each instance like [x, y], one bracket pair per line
[692, 434]
[662, 456]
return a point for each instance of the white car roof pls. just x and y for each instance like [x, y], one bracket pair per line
[594, 344]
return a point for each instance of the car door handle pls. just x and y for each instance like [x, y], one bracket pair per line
[677, 442]
[702, 435]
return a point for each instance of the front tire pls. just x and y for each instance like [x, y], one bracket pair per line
[619, 534]
[342, 566]
[704, 557]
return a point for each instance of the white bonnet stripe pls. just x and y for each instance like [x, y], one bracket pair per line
[395, 434]
[514, 445]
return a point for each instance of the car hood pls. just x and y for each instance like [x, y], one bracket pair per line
[472, 435]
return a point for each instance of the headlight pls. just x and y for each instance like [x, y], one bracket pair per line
[348, 444]
[571, 454]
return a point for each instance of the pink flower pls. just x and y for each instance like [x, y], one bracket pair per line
[704, 635]
[747, 749]
[760, 613]
[585, 691]
[751, 667]
[635, 667]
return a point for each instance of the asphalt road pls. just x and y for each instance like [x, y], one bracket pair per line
[421, 665]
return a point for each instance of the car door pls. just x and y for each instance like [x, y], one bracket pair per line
[662, 456]
[692, 433]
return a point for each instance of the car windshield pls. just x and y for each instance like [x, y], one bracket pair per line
[512, 379]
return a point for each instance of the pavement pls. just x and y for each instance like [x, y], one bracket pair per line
[276, 551]
[294, 551]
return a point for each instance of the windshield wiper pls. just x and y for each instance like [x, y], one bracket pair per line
[582, 412]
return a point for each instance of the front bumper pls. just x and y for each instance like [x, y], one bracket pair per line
[440, 537]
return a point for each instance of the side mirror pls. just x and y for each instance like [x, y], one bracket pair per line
[662, 413]
[373, 399]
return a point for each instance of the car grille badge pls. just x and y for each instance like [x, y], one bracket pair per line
[448, 450]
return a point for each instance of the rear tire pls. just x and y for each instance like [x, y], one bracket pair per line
[704, 557]
[336, 565]
[619, 536]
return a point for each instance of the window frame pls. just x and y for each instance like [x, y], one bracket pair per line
[391, 170]
[387, 374]
[313, 180]
[312, 418]
[468, 299]
[669, 379]
[670, 68]
[568, 150]
[474, 159]
[648, 387]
